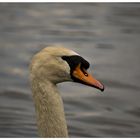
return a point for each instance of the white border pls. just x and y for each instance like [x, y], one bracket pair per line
[69, 138]
[50, 1]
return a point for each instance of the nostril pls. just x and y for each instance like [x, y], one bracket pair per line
[86, 74]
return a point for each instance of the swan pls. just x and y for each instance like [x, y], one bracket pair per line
[50, 66]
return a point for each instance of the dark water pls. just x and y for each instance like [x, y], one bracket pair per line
[107, 35]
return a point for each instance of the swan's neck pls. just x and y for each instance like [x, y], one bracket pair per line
[49, 109]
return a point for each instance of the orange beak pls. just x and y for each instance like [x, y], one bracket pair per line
[83, 77]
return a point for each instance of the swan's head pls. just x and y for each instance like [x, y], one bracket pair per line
[58, 64]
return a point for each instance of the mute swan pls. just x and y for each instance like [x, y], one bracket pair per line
[50, 66]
